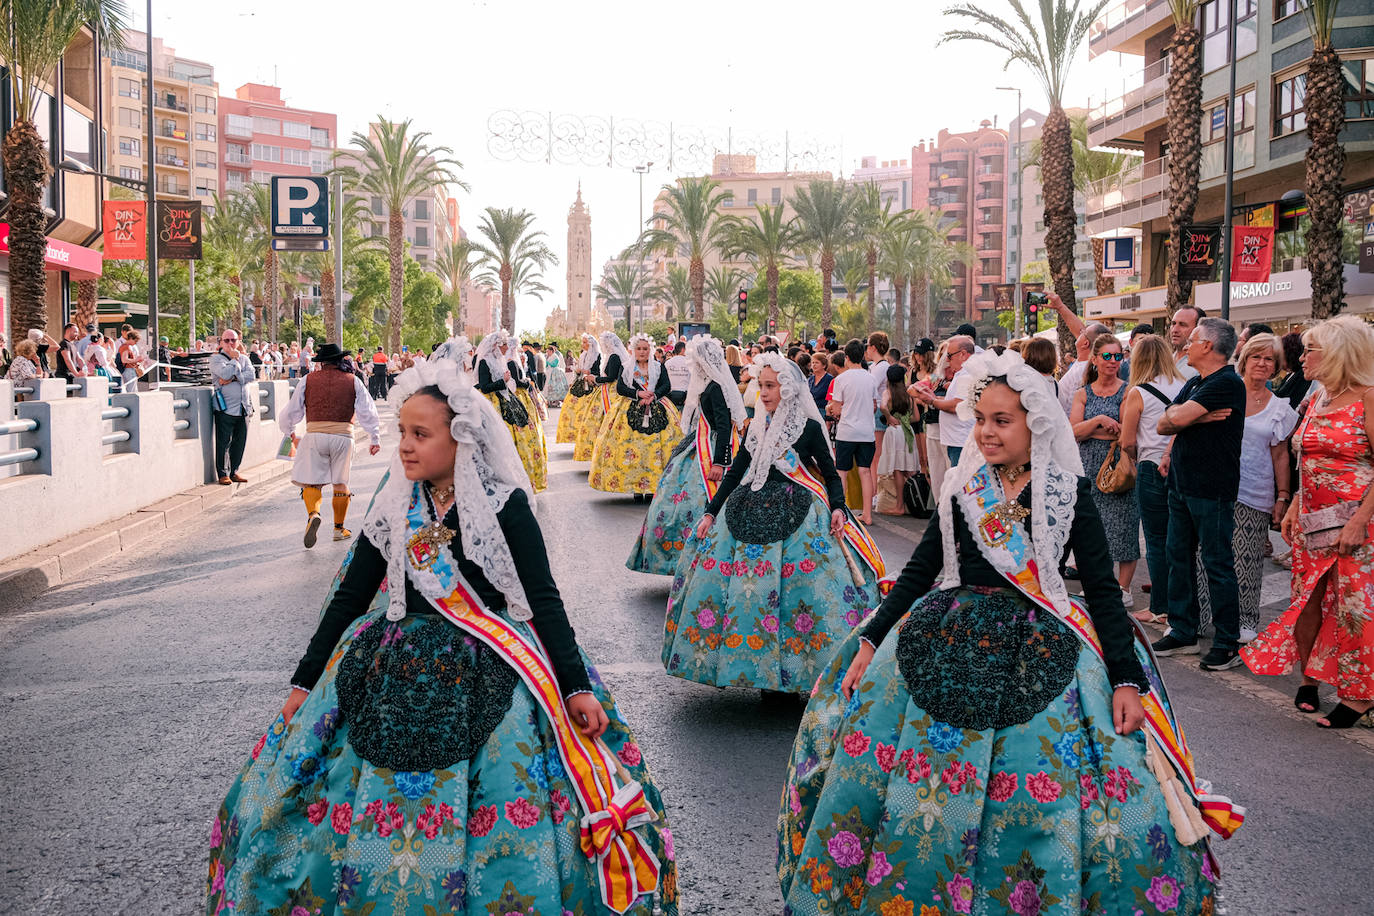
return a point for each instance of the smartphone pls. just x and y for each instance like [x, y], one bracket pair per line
[1037, 298]
[405, 348]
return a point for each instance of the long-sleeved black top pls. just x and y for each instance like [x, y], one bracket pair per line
[811, 445]
[1087, 540]
[717, 413]
[609, 370]
[368, 569]
[486, 384]
[661, 388]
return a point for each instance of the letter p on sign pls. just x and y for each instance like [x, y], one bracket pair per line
[300, 205]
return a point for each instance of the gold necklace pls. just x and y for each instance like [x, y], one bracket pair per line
[1011, 473]
[441, 494]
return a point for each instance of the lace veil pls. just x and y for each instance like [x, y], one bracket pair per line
[586, 360]
[769, 441]
[627, 363]
[489, 352]
[708, 365]
[1054, 466]
[486, 471]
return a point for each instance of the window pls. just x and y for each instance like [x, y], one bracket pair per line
[205, 187]
[239, 125]
[1359, 87]
[1284, 8]
[1039, 254]
[377, 207]
[319, 136]
[205, 159]
[422, 209]
[130, 89]
[264, 153]
[295, 130]
[1289, 96]
[261, 177]
[422, 236]
[130, 117]
[207, 133]
[267, 126]
[129, 146]
[753, 196]
[776, 196]
[126, 171]
[1215, 15]
[205, 104]
[1214, 135]
[293, 156]
[233, 181]
[134, 60]
[319, 162]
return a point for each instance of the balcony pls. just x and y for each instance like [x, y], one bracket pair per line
[989, 250]
[183, 76]
[166, 186]
[236, 130]
[173, 161]
[1125, 25]
[1127, 111]
[989, 278]
[239, 160]
[953, 181]
[988, 201]
[953, 206]
[173, 133]
[168, 102]
[1136, 196]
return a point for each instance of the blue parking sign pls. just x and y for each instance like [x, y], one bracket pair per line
[300, 206]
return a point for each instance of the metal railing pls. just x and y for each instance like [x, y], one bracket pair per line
[19, 455]
[180, 404]
[1139, 91]
[1118, 15]
[119, 435]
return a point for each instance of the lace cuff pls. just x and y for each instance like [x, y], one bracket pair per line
[570, 695]
[1142, 686]
[871, 644]
[299, 687]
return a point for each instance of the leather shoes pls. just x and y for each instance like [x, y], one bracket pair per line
[225, 481]
[237, 479]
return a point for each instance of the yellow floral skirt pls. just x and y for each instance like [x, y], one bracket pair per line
[589, 421]
[570, 417]
[529, 441]
[627, 458]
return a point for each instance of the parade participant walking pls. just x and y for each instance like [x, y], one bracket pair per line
[640, 429]
[453, 713]
[612, 362]
[934, 763]
[556, 386]
[713, 411]
[376, 382]
[232, 404]
[585, 369]
[1327, 629]
[327, 400]
[761, 599]
[500, 378]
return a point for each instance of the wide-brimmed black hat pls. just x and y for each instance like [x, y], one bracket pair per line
[330, 353]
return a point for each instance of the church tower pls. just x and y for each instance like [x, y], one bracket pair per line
[579, 265]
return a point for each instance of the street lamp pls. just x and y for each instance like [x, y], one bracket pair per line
[1020, 168]
[641, 170]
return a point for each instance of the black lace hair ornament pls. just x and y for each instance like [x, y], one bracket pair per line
[421, 695]
[658, 418]
[513, 412]
[769, 514]
[984, 660]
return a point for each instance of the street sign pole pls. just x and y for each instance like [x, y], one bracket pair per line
[338, 259]
[151, 177]
[191, 314]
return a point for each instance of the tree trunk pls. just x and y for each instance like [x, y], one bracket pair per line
[327, 299]
[86, 291]
[872, 256]
[1184, 111]
[508, 300]
[236, 281]
[827, 271]
[1105, 285]
[1056, 141]
[899, 314]
[270, 303]
[696, 275]
[26, 175]
[258, 317]
[920, 306]
[1325, 162]
[772, 275]
[396, 274]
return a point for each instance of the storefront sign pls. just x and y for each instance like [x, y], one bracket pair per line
[1252, 253]
[126, 230]
[178, 230]
[1198, 255]
[81, 263]
[1367, 257]
[1259, 290]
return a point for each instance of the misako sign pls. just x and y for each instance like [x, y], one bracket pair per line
[178, 230]
[126, 229]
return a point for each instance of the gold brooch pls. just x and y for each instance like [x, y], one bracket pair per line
[996, 525]
[426, 543]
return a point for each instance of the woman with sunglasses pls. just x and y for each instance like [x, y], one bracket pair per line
[1096, 419]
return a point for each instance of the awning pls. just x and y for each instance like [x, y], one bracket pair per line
[81, 263]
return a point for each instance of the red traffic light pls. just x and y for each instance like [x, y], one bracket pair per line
[743, 296]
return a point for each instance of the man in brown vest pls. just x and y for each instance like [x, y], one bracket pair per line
[328, 399]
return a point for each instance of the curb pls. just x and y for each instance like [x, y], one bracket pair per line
[27, 576]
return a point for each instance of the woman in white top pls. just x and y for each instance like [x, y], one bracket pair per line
[1155, 382]
[1265, 488]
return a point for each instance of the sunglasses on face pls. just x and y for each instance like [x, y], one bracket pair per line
[1113, 356]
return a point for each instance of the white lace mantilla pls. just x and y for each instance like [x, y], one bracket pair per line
[768, 442]
[708, 365]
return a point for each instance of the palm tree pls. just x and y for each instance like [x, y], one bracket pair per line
[455, 265]
[767, 244]
[34, 34]
[256, 200]
[513, 247]
[355, 213]
[897, 260]
[851, 266]
[932, 266]
[396, 165]
[675, 290]
[230, 229]
[1184, 110]
[1325, 161]
[722, 283]
[875, 222]
[691, 226]
[625, 282]
[826, 213]
[1065, 25]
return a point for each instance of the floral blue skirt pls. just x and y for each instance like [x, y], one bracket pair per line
[311, 826]
[1029, 803]
[677, 506]
[755, 612]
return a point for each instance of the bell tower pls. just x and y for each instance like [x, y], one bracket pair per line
[579, 264]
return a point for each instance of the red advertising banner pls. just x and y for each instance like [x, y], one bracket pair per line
[1252, 253]
[126, 230]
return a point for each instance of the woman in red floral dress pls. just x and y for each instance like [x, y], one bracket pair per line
[1329, 627]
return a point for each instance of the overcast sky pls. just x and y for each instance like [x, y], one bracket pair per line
[863, 75]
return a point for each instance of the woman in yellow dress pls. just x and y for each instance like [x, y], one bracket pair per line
[640, 429]
[575, 405]
[599, 401]
[499, 378]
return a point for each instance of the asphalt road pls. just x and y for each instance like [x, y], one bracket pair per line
[130, 700]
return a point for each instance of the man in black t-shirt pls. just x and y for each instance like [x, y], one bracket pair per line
[1207, 421]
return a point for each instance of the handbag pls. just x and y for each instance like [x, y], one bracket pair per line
[918, 496]
[1321, 529]
[1117, 474]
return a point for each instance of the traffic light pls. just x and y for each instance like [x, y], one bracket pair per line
[743, 304]
[1034, 302]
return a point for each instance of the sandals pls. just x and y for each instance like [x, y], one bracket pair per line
[1343, 717]
[1307, 700]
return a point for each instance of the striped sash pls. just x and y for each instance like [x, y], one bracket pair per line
[703, 435]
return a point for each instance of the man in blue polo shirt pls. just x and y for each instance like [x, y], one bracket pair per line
[1207, 421]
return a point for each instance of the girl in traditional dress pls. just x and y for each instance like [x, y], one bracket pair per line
[711, 413]
[599, 403]
[500, 378]
[445, 746]
[762, 599]
[988, 757]
[556, 385]
[585, 368]
[640, 427]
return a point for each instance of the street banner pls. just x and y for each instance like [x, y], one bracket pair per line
[178, 230]
[1198, 255]
[126, 230]
[1252, 253]
[1003, 296]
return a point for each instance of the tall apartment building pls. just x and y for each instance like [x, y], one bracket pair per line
[185, 127]
[262, 136]
[1272, 50]
[964, 176]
